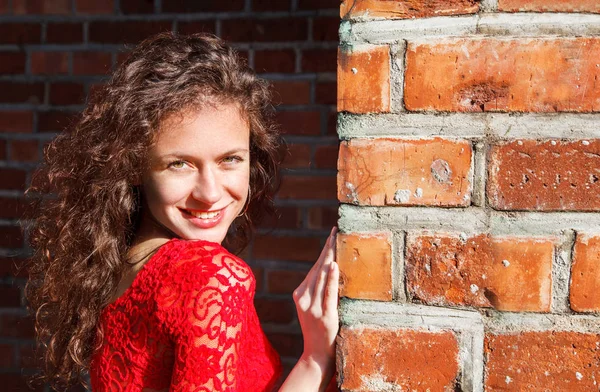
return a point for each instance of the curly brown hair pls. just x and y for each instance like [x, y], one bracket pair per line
[86, 202]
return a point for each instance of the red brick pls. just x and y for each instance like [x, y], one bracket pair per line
[322, 217]
[49, 63]
[326, 29]
[286, 344]
[298, 156]
[284, 218]
[91, 63]
[405, 9]
[404, 172]
[270, 5]
[10, 297]
[16, 326]
[10, 236]
[403, 360]
[365, 261]
[18, 382]
[363, 79]
[506, 273]
[20, 33]
[17, 121]
[13, 267]
[64, 33]
[137, 6]
[190, 6]
[291, 93]
[319, 60]
[332, 122]
[4, 6]
[282, 61]
[56, 7]
[545, 175]
[276, 311]
[318, 4]
[284, 282]
[3, 150]
[256, 271]
[326, 93]
[541, 75]
[287, 248]
[24, 150]
[11, 207]
[307, 187]
[94, 6]
[199, 26]
[549, 6]
[18, 92]
[65, 93]
[54, 121]
[547, 360]
[12, 178]
[129, 32]
[326, 157]
[7, 356]
[585, 274]
[12, 62]
[299, 122]
[264, 30]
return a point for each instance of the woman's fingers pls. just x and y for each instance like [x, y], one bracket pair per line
[330, 298]
[328, 255]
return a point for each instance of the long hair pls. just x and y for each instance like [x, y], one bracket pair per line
[86, 203]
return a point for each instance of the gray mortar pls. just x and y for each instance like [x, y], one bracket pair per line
[488, 5]
[503, 323]
[542, 223]
[398, 279]
[470, 126]
[549, 25]
[561, 272]
[397, 52]
[467, 325]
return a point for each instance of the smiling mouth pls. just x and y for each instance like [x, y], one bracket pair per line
[204, 214]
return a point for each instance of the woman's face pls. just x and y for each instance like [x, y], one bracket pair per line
[199, 170]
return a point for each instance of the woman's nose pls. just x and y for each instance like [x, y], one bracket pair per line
[207, 188]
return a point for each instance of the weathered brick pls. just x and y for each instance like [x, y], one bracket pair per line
[91, 63]
[404, 172]
[363, 79]
[547, 360]
[532, 75]
[545, 175]
[56, 7]
[49, 63]
[66, 94]
[319, 60]
[365, 261]
[288, 248]
[308, 187]
[549, 6]
[325, 29]
[16, 121]
[326, 93]
[403, 360]
[3, 145]
[322, 218]
[326, 157]
[584, 295]
[506, 273]
[24, 150]
[405, 9]
[12, 62]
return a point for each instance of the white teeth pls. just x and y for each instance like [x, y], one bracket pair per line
[205, 215]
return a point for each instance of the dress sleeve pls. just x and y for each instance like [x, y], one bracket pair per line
[202, 305]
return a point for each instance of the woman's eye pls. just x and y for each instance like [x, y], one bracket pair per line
[232, 159]
[177, 164]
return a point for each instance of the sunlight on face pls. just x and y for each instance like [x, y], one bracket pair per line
[199, 171]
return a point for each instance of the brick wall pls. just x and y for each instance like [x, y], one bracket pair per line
[468, 173]
[52, 53]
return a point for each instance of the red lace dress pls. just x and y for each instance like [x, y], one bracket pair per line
[187, 323]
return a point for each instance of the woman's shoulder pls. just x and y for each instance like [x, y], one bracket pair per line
[198, 262]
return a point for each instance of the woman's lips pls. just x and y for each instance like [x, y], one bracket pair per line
[204, 219]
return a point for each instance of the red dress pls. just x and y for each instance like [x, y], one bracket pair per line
[187, 323]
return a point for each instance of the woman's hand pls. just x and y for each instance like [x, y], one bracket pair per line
[317, 305]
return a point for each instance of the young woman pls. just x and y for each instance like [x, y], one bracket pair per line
[130, 281]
